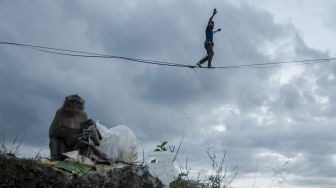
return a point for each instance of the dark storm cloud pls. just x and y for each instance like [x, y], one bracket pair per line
[158, 86]
[240, 35]
[259, 115]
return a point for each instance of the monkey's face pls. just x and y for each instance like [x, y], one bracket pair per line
[73, 107]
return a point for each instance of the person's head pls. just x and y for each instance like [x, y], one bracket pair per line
[212, 24]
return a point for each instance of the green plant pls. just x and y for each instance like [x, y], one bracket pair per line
[14, 147]
[222, 175]
[162, 146]
[180, 182]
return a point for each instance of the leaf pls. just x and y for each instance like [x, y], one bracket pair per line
[81, 168]
[73, 167]
[183, 174]
[164, 143]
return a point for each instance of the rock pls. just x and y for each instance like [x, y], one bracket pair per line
[19, 172]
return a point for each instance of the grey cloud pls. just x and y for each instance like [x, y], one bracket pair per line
[151, 100]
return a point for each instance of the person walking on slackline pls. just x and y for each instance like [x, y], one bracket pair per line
[208, 43]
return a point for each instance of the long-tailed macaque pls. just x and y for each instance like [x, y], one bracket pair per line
[67, 127]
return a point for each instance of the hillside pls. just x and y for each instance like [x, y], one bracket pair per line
[21, 172]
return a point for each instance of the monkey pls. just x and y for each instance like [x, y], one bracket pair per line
[67, 126]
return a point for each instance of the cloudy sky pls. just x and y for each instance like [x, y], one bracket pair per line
[264, 118]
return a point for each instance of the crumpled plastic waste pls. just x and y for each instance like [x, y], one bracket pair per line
[119, 143]
[162, 166]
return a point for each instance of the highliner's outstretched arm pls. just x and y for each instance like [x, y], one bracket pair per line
[218, 30]
[213, 14]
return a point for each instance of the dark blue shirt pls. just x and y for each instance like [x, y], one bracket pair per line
[209, 33]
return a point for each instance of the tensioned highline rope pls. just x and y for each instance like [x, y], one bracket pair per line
[76, 53]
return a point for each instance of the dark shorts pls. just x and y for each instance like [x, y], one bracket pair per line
[209, 48]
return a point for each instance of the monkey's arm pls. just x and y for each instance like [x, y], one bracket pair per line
[54, 123]
[56, 128]
[67, 132]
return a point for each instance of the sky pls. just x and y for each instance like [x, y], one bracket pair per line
[276, 124]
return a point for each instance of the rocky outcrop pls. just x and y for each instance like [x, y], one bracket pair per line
[18, 172]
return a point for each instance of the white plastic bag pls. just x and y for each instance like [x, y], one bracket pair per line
[119, 143]
[75, 156]
[162, 166]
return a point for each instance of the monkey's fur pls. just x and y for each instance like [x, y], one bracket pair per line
[67, 127]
